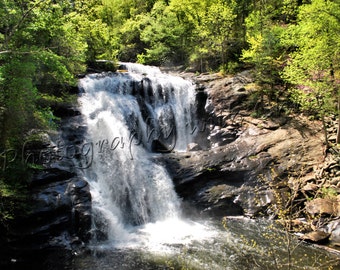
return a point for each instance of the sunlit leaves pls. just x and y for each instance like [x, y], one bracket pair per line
[313, 67]
[315, 63]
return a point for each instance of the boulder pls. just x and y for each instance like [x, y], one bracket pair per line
[321, 206]
[193, 147]
[57, 216]
[319, 237]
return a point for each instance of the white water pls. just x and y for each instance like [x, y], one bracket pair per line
[134, 202]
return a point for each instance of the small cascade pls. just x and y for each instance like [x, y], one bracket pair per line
[130, 114]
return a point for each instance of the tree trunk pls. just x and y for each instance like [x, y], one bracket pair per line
[338, 130]
[324, 127]
[337, 94]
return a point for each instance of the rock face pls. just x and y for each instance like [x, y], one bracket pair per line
[55, 219]
[245, 155]
[235, 175]
[58, 217]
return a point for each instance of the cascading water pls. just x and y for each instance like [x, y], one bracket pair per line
[128, 115]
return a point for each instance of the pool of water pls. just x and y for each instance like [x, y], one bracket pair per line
[233, 244]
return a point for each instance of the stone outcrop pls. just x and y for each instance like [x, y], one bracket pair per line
[237, 166]
[236, 175]
[245, 155]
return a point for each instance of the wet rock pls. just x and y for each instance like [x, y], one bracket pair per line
[220, 137]
[335, 237]
[193, 147]
[255, 202]
[57, 207]
[49, 176]
[159, 147]
[333, 228]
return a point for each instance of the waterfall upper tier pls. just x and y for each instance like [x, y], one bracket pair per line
[159, 109]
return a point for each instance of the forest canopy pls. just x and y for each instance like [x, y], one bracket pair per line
[45, 44]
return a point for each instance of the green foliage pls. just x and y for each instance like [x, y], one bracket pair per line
[329, 193]
[265, 50]
[43, 44]
[315, 63]
[13, 191]
[313, 67]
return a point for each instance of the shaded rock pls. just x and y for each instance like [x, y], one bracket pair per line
[159, 147]
[219, 201]
[102, 65]
[49, 176]
[57, 218]
[52, 213]
[65, 110]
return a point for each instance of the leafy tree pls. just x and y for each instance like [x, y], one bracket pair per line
[265, 51]
[207, 30]
[42, 45]
[314, 66]
[18, 96]
[163, 36]
[216, 29]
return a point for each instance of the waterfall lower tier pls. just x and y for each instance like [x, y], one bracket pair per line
[129, 115]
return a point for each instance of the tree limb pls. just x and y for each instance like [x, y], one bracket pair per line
[22, 19]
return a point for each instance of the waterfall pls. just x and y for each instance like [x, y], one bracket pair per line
[130, 114]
